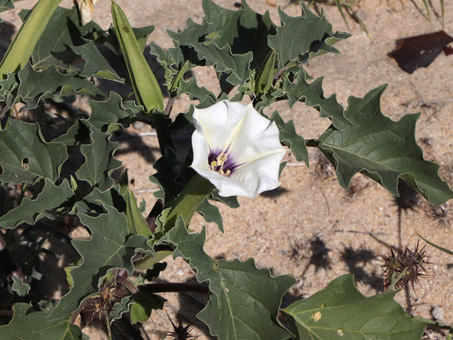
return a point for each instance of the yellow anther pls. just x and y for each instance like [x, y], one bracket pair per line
[213, 164]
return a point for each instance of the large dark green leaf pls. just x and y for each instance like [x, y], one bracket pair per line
[46, 204]
[112, 111]
[99, 160]
[109, 248]
[236, 66]
[39, 85]
[62, 31]
[103, 57]
[29, 325]
[25, 157]
[245, 300]
[383, 149]
[302, 37]
[339, 311]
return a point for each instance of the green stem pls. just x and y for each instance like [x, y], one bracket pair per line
[193, 194]
[433, 323]
[397, 279]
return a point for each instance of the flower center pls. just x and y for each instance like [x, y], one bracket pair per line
[222, 163]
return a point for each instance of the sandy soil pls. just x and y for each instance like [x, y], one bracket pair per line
[312, 228]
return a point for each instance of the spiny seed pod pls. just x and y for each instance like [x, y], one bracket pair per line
[405, 266]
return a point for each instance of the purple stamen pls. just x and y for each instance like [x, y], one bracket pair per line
[222, 162]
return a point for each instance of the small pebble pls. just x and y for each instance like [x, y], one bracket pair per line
[139, 125]
[437, 313]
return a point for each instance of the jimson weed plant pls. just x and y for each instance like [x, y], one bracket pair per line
[57, 172]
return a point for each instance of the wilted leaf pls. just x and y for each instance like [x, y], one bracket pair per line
[29, 325]
[339, 311]
[245, 300]
[46, 204]
[383, 149]
[109, 248]
[25, 157]
[99, 160]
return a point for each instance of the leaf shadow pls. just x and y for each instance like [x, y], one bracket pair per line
[356, 260]
[131, 142]
[190, 305]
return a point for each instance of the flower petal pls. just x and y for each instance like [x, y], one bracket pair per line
[257, 135]
[258, 176]
[218, 122]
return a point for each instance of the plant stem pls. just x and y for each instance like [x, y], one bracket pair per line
[193, 194]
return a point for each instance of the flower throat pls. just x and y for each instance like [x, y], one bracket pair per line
[222, 163]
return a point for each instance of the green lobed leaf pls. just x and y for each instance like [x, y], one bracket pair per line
[99, 160]
[46, 204]
[109, 248]
[236, 66]
[243, 29]
[290, 138]
[94, 202]
[29, 325]
[8, 87]
[340, 311]
[202, 94]
[211, 213]
[312, 94]
[55, 49]
[383, 149]
[102, 54]
[301, 37]
[36, 86]
[25, 157]
[171, 61]
[143, 305]
[21, 288]
[245, 300]
[112, 111]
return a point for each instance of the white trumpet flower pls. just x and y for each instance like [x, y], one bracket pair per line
[236, 149]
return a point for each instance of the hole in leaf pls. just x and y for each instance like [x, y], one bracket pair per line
[25, 163]
[420, 51]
